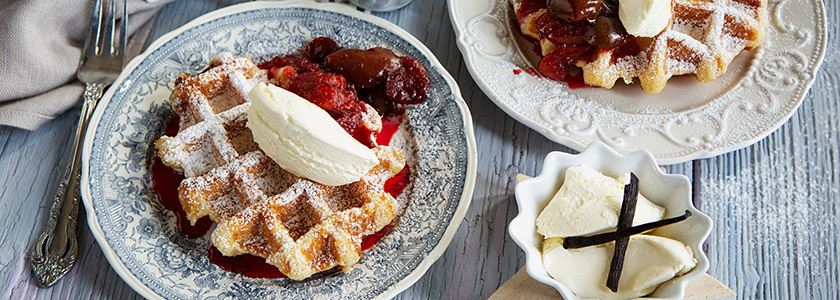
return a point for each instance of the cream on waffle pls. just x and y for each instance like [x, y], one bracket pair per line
[703, 38]
[299, 226]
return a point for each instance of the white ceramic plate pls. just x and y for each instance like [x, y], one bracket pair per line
[138, 235]
[672, 191]
[687, 120]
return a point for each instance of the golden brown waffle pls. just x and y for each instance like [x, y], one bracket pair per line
[305, 228]
[298, 225]
[703, 38]
[212, 109]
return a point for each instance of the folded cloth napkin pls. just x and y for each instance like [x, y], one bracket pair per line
[41, 42]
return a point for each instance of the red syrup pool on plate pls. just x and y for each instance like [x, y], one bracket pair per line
[165, 182]
[576, 81]
[390, 125]
[246, 264]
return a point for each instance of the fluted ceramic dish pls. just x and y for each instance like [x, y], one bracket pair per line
[671, 191]
[688, 120]
[138, 236]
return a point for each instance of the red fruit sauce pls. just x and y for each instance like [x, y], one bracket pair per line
[533, 72]
[576, 81]
[570, 37]
[390, 124]
[530, 6]
[165, 182]
[246, 264]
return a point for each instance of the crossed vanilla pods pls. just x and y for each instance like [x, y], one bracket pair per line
[609, 258]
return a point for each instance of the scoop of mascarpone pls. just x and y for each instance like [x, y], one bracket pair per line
[644, 18]
[649, 261]
[303, 139]
[590, 202]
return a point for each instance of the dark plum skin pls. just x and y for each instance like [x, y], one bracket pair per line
[575, 10]
[362, 68]
[320, 47]
[409, 84]
[338, 79]
[607, 33]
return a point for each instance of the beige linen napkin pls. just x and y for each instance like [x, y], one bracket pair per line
[40, 47]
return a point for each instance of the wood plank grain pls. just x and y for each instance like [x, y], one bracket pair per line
[34, 163]
[775, 204]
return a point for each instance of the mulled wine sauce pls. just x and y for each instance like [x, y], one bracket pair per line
[165, 182]
[246, 264]
[390, 124]
[576, 81]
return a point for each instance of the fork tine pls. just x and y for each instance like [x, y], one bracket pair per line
[93, 30]
[123, 32]
[107, 34]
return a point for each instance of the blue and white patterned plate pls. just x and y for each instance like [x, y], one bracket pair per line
[138, 236]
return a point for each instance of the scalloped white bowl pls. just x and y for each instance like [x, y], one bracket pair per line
[671, 191]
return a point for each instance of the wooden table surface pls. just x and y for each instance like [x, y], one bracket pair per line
[775, 204]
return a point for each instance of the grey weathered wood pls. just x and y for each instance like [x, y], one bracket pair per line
[775, 204]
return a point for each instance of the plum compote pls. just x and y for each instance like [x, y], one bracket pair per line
[579, 29]
[339, 79]
[363, 68]
[377, 76]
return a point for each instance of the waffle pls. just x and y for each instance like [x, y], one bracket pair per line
[702, 39]
[299, 226]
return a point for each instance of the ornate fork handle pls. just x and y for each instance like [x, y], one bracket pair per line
[55, 249]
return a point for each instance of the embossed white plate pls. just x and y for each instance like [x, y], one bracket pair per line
[138, 236]
[687, 120]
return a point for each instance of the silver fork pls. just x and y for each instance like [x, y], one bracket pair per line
[54, 253]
